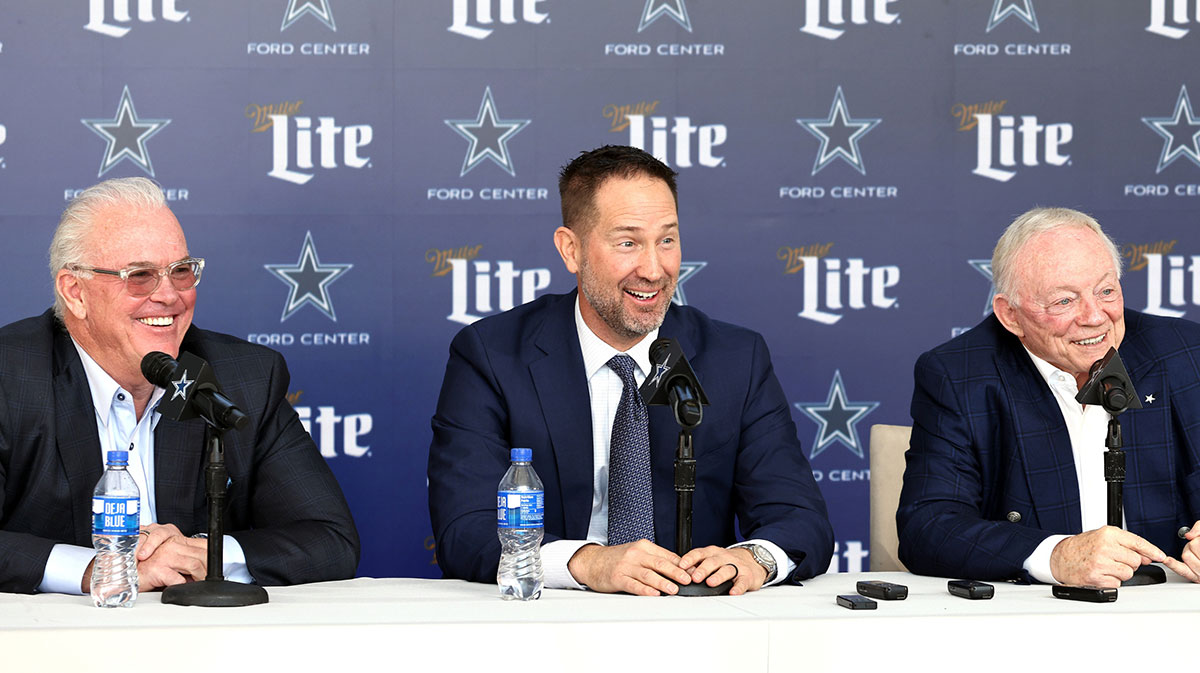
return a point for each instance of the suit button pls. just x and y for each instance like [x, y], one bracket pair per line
[1182, 532]
[1014, 517]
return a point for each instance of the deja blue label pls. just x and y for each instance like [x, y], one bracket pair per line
[115, 516]
[520, 509]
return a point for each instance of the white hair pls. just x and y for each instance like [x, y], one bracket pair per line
[1029, 225]
[69, 245]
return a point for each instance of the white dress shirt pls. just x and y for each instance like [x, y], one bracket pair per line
[119, 428]
[1088, 429]
[604, 390]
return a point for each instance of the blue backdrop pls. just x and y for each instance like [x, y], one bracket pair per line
[365, 177]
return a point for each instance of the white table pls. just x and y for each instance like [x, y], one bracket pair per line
[442, 625]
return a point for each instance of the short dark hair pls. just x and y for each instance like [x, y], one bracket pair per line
[579, 180]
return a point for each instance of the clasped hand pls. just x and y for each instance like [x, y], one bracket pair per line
[646, 569]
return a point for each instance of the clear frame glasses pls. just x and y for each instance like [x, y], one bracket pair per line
[142, 281]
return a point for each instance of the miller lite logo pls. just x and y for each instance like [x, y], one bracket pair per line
[3, 137]
[477, 25]
[99, 17]
[477, 276]
[294, 147]
[1168, 281]
[829, 288]
[688, 140]
[998, 149]
[837, 11]
[1182, 13]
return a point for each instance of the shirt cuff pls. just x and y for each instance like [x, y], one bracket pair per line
[1038, 563]
[233, 561]
[784, 566]
[65, 568]
[555, 557]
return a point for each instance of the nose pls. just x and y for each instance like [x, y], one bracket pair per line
[1090, 311]
[165, 293]
[650, 266]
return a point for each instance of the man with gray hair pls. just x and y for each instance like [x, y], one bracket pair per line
[71, 389]
[1005, 472]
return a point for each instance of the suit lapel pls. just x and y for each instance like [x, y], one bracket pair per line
[75, 430]
[1143, 428]
[562, 389]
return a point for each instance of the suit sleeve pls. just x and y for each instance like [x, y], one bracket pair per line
[776, 497]
[941, 518]
[467, 458]
[22, 556]
[297, 527]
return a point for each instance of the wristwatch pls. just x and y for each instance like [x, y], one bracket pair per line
[764, 559]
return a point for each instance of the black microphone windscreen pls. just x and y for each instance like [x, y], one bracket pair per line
[158, 367]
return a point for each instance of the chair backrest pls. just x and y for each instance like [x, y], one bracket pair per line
[888, 444]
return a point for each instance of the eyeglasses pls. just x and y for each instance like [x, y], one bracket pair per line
[142, 281]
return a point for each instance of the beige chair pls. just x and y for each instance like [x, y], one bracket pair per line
[888, 444]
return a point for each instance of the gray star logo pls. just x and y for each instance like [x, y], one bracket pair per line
[126, 135]
[686, 271]
[1180, 132]
[655, 9]
[181, 386]
[984, 266]
[309, 280]
[1022, 9]
[837, 418]
[488, 134]
[298, 8]
[839, 135]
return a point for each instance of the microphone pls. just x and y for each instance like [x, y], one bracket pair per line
[1109, 385]
[192, 391]
[672, 382]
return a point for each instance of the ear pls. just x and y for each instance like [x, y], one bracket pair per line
[570, 248]
[71, 290]
[1006, 313]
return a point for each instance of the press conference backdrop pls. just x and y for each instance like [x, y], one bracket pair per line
[366, 178]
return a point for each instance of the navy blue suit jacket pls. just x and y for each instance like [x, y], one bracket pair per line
[517, 380]
[285, 507]
[989, 440]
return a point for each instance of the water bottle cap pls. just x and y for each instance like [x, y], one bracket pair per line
[521, 455]
[118, 457]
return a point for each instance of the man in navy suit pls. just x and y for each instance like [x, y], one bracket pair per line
[71, 389]
[1005, 471]
[536, 376]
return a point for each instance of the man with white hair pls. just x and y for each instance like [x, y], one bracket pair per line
[71, 389]
[1005, 474]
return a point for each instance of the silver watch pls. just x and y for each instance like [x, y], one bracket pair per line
[764, 559]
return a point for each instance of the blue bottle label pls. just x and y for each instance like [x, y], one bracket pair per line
[114, 516]
[520, 509]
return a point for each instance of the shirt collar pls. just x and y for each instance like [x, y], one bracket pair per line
[104, 388]
[597, 353]
[1051, 374]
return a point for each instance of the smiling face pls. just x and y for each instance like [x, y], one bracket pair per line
[115, 328]
[1069, 309]
[626, 259]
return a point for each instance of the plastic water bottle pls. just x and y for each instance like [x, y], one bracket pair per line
[519, 506]
[115, 535]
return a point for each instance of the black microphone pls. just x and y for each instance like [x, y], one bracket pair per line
[192, 391]
[1109, 385]
[672, 382]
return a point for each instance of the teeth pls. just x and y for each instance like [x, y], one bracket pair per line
[642, 295]
[161, 321]
[1090, 342]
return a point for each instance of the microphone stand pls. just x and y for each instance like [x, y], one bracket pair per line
[685, 486]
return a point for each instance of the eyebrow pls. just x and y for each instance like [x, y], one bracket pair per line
[146, 263]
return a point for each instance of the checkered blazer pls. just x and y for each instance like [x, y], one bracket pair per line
[990, 472]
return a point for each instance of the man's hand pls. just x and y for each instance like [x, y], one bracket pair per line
[1102, 557]
[1189, 564]
[641, 568]
[165, 557]
[717, 564]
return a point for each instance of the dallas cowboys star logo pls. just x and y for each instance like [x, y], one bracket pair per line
[656, 9]
[317, 8]
[837, 418]
[686, 271]
[1150, 399]
[839, 135]
[1022, 9]
[984, 267]
[488, 134]
[309, 280]
[1180, 132]
[659, 370]
[126, 135]
[181, 386]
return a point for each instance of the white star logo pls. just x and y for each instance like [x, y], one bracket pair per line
[126, 135]
[488, 134]
[309, 280]
[837, 418]
[317, 8]
[686, 271]
[984, 267]
[656, 9]
[1150, 398]
[181, 386]
[1180, 132]
[659, 371]
[1022, 9]
[839, 135]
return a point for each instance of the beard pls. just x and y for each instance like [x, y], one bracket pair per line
[610, 306]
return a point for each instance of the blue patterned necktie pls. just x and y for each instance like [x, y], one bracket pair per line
[630, 495]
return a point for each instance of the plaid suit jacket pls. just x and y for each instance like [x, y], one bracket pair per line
[990, 446]
[285, 507]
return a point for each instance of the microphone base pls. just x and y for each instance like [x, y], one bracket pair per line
[1146, 575]
[215, 594]
[702, 589]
